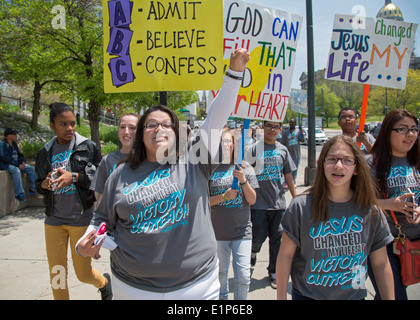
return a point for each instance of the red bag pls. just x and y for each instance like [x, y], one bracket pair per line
[409, 254]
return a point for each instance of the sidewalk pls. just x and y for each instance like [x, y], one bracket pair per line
[24, 266]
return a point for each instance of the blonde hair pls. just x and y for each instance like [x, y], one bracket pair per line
[364, 191]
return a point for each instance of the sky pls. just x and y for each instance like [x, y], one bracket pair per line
[323, 16]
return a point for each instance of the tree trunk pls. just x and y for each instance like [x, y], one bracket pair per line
[94, 104]
[94, 119]
[36, 104]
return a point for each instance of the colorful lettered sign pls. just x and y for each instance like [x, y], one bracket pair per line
[162, 45]
[271, 37]
[370, 51]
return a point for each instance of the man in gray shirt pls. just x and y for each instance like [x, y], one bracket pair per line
[273, 165]
[291, 139]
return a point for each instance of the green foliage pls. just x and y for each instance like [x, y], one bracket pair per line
[30, 149]
[8, 108]
[109, 134]
[108, 148]
[408, 99]
[83, 130]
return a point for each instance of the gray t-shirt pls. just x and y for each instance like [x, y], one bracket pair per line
[105, 168]
[159, 215]
[231, 218]
[68, 209]
[271, 162]
[330, 261]
[290, 139]
[401, 176]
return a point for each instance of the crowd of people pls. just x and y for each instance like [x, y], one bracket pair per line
[176, 209]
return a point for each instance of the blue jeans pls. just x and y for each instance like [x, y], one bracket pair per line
[294, 173]
[267, 223]
[17, 178]
[241, 264]
[400, 289]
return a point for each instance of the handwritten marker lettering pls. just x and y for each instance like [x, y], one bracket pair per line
[376, 54]
[119, 43]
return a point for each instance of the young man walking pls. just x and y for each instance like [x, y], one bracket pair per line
[273, 165]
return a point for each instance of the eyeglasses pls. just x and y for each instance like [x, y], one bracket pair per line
[155, 125]
[269, 126]
[405, 130]
[344, 161]
[347, 117]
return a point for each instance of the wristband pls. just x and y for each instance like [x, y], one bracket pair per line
[223, 196]
[243, 184]
[233, 76]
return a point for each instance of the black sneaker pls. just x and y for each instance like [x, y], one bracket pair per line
[20, 197]
[106, 292]
[273, 281]
[253, 259]
[31, 192]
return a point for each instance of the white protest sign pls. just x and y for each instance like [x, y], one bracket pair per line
[271, 37]
[370, 51]
[299, 101]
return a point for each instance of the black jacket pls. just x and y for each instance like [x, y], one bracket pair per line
[6, 155]
[84, 151]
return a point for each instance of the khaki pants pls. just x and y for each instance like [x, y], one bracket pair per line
[57, 239]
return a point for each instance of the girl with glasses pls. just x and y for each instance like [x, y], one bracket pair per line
[157, 208]
[395, 165]
[231, 218]
[332, 228]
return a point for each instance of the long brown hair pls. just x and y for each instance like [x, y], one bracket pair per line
[382, 150]
[364, 192]
[232, 153]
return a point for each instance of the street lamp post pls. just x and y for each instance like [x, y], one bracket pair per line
[311, 168]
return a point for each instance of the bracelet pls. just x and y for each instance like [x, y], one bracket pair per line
[244, 184]
[233, 76]
[223, 196]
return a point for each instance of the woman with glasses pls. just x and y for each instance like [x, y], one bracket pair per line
[395, 165]
[332, 228]
[157, 207]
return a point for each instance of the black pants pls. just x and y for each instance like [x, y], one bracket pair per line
[267, 223]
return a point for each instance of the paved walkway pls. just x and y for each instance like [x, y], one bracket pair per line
[24, 267]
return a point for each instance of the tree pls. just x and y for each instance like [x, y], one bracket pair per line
[24, 57]
[61, 43]
[350, 94]
[332, 103]
[81, 40]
